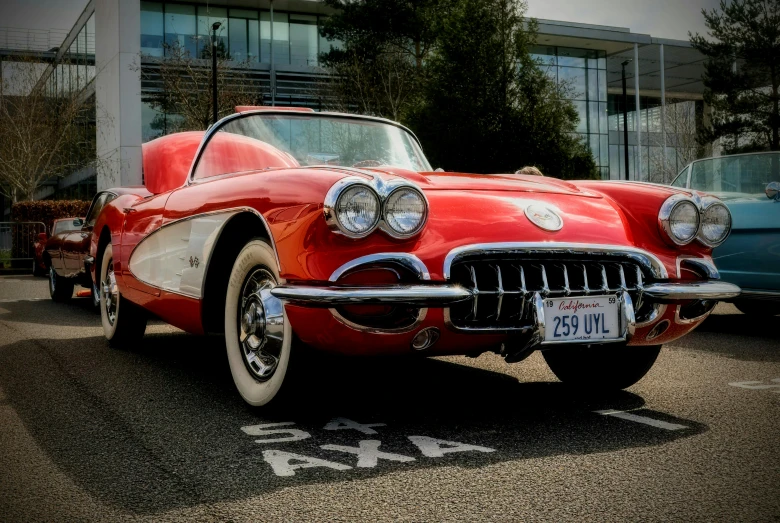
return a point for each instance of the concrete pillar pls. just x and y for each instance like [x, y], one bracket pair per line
[663, 113]
[118, 92]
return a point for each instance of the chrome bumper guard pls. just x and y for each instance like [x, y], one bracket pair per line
[431, 295]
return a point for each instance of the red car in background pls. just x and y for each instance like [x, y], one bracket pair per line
[60, 225]
[333, 230]
[65, 254]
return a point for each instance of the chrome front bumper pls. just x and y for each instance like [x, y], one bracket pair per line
[432, 295]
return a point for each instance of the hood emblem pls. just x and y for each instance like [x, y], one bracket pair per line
[544, 216]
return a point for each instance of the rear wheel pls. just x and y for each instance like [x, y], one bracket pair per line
[764, 309]
[60, 289]
[124, 322]
[258, 336]
[607, 367]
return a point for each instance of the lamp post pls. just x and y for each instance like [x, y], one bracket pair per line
[215, 107]
[625, 115]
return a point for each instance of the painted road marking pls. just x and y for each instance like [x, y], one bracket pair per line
[622, 414]
[348, 424]
[368, 453]
[267, 429]
[758, 385]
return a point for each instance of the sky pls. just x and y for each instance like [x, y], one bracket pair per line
[659, 18]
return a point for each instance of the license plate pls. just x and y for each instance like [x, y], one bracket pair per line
[582, 318]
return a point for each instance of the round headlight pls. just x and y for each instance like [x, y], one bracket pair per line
[405, 211]
[357, 210]
[715, 224]
[684, 221]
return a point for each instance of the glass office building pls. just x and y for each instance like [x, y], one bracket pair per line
[278, 45]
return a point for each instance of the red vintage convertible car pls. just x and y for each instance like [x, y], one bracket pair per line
[333, 229]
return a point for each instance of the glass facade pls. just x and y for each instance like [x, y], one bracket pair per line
[244, 34]
[77, 66]
[659, 162]
[582, 74]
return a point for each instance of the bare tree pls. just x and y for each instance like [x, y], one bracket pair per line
[681, 141]
[180, 85]
[384, 84]
[43, 135]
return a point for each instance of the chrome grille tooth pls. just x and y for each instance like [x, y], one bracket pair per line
[639, 282]
[524, 292]
[545, 286]
[476, 292]
[566, 288]
[604, 282]
[622, 277]
[585, 279]
[500, 291]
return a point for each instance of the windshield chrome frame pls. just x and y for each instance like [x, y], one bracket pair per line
[214, 128]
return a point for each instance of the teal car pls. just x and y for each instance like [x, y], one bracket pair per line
[749, 185]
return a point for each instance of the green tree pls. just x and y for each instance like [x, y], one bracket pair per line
[742, 74]
[487, 106]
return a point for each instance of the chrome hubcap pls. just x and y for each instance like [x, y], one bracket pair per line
[110, 292]
[261, 325]
[52, 279]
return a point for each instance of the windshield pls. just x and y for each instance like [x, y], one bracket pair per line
[63, 225]
[736, 176]
[311, 139]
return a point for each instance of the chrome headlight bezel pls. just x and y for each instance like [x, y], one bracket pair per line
[383, 190]
[388, 228]
[708, 204]
[331, 205]
[664, 218]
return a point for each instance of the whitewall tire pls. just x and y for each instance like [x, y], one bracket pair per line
[258, 336]
[124, 322]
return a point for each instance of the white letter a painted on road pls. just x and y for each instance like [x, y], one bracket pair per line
[286, 463]
[368, 453]
[436, 448]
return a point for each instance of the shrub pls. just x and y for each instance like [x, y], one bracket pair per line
[47, 211]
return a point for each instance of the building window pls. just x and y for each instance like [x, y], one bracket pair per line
[244, 35]
[303, 40]
[151, 28]
[281, 38]
[180, 28]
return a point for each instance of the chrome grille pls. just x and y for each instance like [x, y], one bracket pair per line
[503, 286]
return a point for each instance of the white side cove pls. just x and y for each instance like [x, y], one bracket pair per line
[175, 257]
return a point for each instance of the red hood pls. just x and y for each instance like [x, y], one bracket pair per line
[443, 181]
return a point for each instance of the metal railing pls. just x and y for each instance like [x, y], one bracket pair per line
[17, 241]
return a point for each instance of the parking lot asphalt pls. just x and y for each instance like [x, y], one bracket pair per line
[158, 432]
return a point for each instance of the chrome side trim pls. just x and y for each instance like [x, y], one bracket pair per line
[707, 290]
[422, 295]
[233, 211]
[705, 265]
[421, 314]
[751, 294]
[645, 259]
[409, 261]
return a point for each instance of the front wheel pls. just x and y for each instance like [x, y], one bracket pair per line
[60, 289]
[258, 336]
[605, 367]
[124, 322]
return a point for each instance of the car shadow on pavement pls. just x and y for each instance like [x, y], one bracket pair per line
[77, 312]
[160, 427]
[734, 335]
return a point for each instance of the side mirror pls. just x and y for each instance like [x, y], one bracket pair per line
[78, 222]
[42, 236]
[773, 191]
